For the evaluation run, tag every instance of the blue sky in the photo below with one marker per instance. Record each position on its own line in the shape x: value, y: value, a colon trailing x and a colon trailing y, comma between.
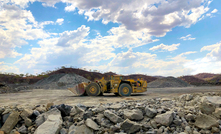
x: 153, y: 37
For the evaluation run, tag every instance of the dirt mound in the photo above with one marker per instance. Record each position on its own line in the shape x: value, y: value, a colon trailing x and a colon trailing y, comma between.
x: 193, y: 80
x: 167, y: 82
x: 60, y: 81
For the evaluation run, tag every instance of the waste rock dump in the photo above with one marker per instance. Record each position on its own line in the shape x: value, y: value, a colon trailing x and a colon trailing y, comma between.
x: 167, y: 82
x: 60, y: 81
x: 187, y: 114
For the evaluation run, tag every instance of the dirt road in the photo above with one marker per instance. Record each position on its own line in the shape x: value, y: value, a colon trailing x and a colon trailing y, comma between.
x: 41, y: 96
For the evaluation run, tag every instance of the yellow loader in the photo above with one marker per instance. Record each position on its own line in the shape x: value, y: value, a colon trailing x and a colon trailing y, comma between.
x: 116, y: 85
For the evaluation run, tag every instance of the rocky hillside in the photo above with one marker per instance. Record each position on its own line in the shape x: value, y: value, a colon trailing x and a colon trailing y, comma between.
x: 188, y: 114
x: 205, y: 76
x: 193, y: 80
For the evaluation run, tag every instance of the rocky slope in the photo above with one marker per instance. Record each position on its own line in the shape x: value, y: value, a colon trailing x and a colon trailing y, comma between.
x: 186, y: 114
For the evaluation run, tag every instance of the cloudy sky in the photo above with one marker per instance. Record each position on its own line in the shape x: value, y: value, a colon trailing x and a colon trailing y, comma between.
x: 153, y: 37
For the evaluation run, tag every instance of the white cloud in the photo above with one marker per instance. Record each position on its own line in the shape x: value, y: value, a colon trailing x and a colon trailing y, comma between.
x: 157, y: 16
x: 17, y: 26
x: 60, y: 21
x: 214, y: 11
x: 188, y: 37
x: 9, y: 68
x: 215, y: 51
x: 165, y: 47
x: 211, y: 63
x: 145, y: 63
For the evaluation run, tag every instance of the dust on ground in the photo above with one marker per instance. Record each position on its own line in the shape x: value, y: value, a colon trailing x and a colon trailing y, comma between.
x: 42, y: 96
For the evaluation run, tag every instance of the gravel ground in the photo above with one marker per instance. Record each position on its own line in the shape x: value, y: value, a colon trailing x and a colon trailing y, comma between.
x: 41, y: 96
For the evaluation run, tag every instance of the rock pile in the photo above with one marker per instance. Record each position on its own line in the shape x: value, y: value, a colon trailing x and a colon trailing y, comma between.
x: 167, y: 82
x: 187, y: 114
x: 60, y: 81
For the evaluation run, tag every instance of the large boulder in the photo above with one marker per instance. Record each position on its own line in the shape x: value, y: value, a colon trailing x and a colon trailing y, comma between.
x: 134, y: 114
x: 11, y: 121
x: 113, y: 117
x: 208, y: 105
x: 130, y: 126
x: 204, y: 121
x: 43, y: 117
x: 164, y: 119
x: 150, y: 112
x: 52, y: 125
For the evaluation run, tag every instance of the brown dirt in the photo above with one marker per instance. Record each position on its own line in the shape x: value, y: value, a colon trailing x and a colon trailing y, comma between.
x: 41, y: 96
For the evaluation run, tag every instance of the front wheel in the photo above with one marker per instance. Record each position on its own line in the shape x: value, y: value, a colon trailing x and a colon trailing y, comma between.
x: 93, y: 89
x: 125, y: 89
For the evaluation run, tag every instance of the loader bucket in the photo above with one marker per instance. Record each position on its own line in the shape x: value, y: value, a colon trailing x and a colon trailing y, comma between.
x: 78, y: 89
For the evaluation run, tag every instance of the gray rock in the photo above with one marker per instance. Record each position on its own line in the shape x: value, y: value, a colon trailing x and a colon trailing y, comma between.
x: 11, y: 121
x: 217, y: 113
x: 71, y: 129
x: 185, y: 97
x: 63, y: 131
x: 164, y: 119
x: 28, y: 122
x: 150, y: 112
x: 83, y: 129
x: 2, y: 110
x: 26, y: 113
x: 204, y: 121
x: 36, y: 113
x: 98, y: 109
x: 134, y: 114
x: 51, y: 126
x: 5, y: 117
x: 43, y: 117
x: 76, y: 110
x: 190, y: 117
x: 215, y: 100
x: 91, y: 124
x: 130, y: 126
x: 215, y: 130
x: 116, y: 106
x: 113, y: 117
x: 23, y: 129
x: 188, y: 130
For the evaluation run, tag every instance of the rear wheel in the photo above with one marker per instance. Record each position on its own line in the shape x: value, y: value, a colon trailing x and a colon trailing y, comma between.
x: 125, y: 89
x: 93, y: 89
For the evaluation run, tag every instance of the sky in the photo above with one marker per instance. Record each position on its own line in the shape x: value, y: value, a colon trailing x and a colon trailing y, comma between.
x: 152, y: 37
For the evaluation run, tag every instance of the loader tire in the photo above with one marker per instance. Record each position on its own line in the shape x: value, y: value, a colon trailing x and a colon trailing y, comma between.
x: 93, y: 89
x: 125, y: 90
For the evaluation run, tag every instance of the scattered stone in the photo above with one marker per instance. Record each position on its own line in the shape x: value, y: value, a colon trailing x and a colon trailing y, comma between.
x: 164, y: 119
x: 43, y: 117
x: 130, y: 126
x: 76, y: 110
x: 28, y: 122
x: 113, y: 117
x: 63, y: 131
x: 204, y: 121
x: 36, y: 113
x: 51, y: 126
x: 217, y: 113
x: 26, y: 113
x: 150, y: 112
x: 215, y: 130
x: 134, y: 114
x: 11, y: 121
x: 48, y: 106
x: 83, y: 129
x: 91, y: 124
x: 23, y: 129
